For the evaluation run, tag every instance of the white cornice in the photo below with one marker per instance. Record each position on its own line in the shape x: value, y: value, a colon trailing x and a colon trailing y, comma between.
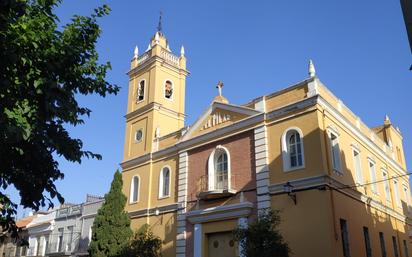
x: 154, y: 211
x: 220, y: 213
x: 152, y: 60
x: 149, y: 107
x: 364, y: 138
x: 325, y: 180
x: 136, y: 161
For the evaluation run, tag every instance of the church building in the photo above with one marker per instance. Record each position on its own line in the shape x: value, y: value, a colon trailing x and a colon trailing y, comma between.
x: 342, y: 187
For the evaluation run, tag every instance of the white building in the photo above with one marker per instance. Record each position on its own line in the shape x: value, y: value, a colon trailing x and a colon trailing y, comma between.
x: 39, y: 231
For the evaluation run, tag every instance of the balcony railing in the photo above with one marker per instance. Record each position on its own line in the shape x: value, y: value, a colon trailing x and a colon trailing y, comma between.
x: 170, y: 58
x: 222, y: 186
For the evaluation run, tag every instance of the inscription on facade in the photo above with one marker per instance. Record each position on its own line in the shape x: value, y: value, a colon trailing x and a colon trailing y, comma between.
x: 216, y: 119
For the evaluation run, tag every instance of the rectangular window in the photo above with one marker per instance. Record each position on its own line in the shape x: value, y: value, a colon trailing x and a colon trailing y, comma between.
x: 395, y: 247
x: 46, y: 245
x: 386, y: 185
x: 406, y: 196
x: 336, y: 162
x: 372, y: 172
x: 345, y: 237
x: 382, y: 241
x: 396, y: 193
x: 60, y: 240
x: 405, y: 247
x: 358, y: 167
x: 367, y: 242
x: 37, y: 246
x: 69, y: 238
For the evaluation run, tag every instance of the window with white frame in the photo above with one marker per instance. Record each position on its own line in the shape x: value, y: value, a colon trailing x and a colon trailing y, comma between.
x: 60, y: 232
x: 335, y: 149
x: 357, y: 165
x: 134, y: 189
x: 219, y: 169
x: 396, y: 193
x: 386, y: 185
x: 406, y: 196
x: 46, y: 245
x: 69, y: 238
x: 372, y: 172
x: 292, y: 149
x: 164, y: 182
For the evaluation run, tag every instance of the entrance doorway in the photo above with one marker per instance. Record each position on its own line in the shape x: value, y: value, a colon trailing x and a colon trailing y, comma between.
x: 221, y: 244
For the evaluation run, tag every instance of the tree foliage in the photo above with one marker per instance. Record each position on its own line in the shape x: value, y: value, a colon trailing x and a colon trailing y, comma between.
x: 43, y: 66
x: 262, y: 238
x: 143, y: 244
x: 111, y: 230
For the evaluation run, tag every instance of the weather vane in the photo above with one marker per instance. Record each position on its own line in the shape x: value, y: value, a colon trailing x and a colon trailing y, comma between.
x: 159, y: 26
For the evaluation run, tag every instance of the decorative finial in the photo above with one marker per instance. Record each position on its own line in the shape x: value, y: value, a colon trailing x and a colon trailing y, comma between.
x: 136, y: 52
x: 148, y: 47
x: 168, y: 48
x: 387, y: 121
x: 159, y: 26
x: 182, y: 51
x: 157, y: 37
x: 219, y: 87
x: 312, y: 71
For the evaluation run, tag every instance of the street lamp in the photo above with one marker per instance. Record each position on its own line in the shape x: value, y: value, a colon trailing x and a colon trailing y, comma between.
x: 288, y: 188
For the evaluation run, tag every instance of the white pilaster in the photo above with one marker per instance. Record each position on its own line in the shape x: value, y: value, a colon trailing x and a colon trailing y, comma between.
x: 262, y: 168
x: 182, y: 199
x: 197, y: 240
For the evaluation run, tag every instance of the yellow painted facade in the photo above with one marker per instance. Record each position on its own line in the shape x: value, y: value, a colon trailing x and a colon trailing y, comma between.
x: 350, y: 182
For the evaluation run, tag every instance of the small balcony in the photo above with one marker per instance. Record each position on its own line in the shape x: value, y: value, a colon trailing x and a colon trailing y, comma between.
x: 220, y: 186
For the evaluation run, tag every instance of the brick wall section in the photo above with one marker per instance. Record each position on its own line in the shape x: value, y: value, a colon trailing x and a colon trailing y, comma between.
x: 241, y: 148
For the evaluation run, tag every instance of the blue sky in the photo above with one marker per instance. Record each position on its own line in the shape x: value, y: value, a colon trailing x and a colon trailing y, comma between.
x: 359, y: 48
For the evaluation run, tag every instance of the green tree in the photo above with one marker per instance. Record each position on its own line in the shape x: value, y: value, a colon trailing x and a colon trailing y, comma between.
x: 111, y: 230
x: 262, y: 238
x: 144, y: 244
x: 44, y: 66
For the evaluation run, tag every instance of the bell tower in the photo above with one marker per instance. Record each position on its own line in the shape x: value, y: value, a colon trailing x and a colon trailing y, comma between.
x: 156, y: 97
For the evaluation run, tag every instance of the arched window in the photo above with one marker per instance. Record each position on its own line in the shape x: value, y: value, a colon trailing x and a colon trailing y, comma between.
x: 168, y: 89
x: 164, y: 182
x: 292, y: 149
x: 219, y: 169
x: 141, y: 90
x: 134, y: 189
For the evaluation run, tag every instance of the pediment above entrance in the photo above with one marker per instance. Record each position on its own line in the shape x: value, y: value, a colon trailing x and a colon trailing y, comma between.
x: 217, y: 116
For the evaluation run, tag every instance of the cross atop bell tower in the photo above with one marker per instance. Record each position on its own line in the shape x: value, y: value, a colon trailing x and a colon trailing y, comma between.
x: 159, y: 25
x: 156, y: 101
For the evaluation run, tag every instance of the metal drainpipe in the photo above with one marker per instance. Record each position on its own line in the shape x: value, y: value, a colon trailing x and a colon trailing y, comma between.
x: 325, y: 135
